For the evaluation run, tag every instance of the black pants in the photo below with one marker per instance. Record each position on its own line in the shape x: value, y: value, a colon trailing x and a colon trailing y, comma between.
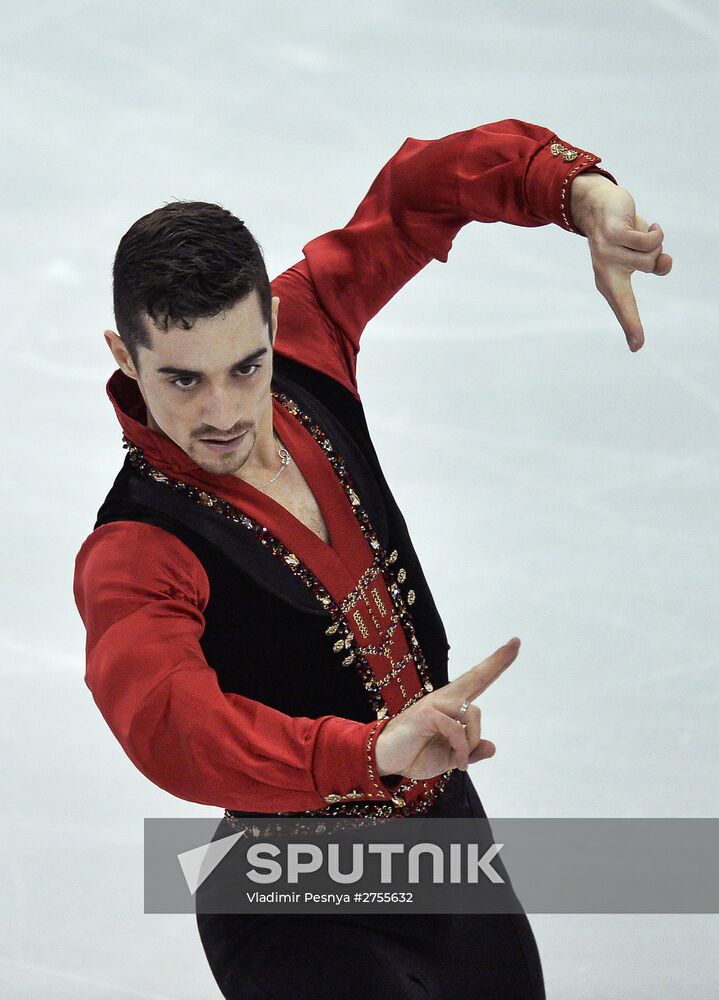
x: 377, y: 956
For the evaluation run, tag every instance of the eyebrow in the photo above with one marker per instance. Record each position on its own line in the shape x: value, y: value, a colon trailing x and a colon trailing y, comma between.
x: 170, y: 370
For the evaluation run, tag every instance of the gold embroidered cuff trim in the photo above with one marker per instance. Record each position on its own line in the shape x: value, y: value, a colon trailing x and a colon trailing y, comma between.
x: 335, y: 797
x: 369, y: 753
x: 563, y: 205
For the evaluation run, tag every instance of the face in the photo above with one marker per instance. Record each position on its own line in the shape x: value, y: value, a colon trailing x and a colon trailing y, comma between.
x: 208, y: 388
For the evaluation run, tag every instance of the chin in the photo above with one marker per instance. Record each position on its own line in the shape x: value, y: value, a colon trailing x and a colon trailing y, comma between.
x: 218, y: 468
x: 221, y: 464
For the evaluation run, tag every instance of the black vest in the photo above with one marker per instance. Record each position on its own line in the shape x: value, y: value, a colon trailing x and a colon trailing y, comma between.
x: 265, y: 633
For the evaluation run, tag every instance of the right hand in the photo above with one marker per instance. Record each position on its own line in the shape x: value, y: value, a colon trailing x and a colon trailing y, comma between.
x: 427, y: 739
x: 620, y: 243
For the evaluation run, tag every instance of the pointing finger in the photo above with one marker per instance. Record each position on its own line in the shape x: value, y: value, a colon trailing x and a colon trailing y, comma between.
x: 475, y: 680
x: 617, y: 290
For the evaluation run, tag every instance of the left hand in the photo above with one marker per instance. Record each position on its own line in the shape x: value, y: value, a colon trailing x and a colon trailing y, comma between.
x: 620, y: 243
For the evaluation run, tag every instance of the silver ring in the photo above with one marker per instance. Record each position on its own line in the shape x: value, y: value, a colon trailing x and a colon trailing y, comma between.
x: 462, y: 713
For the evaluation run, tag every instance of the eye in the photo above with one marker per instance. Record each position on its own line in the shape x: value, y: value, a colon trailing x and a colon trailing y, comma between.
x: 246, y: 371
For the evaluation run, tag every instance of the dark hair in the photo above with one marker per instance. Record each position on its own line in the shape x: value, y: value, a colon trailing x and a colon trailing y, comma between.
x: 184, y: 261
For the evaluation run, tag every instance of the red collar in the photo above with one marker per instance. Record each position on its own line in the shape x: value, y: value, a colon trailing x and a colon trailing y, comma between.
x: 158, y: 449
x: 131, y: 412
x: 165, y: 455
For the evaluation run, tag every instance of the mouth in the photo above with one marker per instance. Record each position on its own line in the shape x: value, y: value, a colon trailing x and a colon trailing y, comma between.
x: 223, y: 444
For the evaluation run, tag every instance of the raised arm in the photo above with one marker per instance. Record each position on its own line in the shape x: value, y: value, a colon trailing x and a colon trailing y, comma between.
x: 141, y: 594
x: 507, y: 171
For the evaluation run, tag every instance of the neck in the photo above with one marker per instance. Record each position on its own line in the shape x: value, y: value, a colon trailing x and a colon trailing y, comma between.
x: 263, y: 461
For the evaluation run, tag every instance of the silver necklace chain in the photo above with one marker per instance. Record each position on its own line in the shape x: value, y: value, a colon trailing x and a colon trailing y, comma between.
x: 285, y: 459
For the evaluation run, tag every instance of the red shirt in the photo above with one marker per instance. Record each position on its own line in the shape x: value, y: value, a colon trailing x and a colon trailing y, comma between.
x: 141, y: 592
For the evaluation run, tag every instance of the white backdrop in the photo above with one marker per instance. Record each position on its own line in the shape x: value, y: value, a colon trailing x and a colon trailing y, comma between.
x: 557, y: 487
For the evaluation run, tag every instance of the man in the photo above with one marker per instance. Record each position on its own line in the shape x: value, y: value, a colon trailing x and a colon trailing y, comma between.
x: 261, y: 636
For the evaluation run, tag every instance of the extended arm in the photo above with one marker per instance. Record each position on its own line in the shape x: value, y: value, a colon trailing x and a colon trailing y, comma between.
x: 141, y: 594
x: 507, y: 171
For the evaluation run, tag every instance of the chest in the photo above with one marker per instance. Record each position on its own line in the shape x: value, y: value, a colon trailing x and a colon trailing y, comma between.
x: 293, y: 492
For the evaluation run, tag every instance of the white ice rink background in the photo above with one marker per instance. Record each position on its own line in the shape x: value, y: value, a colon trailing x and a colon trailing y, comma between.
x: 557, y: 487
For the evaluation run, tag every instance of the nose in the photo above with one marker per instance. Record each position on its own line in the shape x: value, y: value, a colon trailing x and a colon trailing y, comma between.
x: 220, y: 412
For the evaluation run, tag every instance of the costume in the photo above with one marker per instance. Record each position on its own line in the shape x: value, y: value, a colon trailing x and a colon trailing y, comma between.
x: 243, y: 662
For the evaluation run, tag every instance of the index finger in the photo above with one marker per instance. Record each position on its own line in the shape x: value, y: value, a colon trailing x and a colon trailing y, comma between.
x: 475, y: 680
x: 617, y: 290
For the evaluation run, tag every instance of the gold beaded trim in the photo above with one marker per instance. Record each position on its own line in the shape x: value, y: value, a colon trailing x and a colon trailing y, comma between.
x: 415, y: 698
x: 276, y: 830
x: 379, y: 602
x: 556, y: 149
x: 360, y: 623
x: 369, y: 750
x: 379, y: 563
x: 358, y: 592
x: 384, y: 648
x: 395, y: 669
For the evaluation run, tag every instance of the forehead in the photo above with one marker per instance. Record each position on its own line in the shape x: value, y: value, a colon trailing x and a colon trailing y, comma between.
x: 213, y: 342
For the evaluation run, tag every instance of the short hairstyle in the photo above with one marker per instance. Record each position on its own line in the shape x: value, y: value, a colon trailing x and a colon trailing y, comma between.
x: 185, y: 261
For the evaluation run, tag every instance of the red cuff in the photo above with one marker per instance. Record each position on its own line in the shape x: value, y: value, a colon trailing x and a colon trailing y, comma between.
x: 345, y: 763
x: 549, y: 178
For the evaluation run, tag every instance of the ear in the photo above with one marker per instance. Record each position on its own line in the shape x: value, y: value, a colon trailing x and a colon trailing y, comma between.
x: 120, y: 353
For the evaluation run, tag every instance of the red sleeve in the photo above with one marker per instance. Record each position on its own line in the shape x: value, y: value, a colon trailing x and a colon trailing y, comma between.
x: 508, y: 171
x: 141, y: 593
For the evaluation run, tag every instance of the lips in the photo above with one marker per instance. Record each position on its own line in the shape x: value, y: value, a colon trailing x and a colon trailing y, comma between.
x: 223, y: 444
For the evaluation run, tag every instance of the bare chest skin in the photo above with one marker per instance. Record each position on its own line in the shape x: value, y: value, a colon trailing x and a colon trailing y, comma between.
x: 293, y: 493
